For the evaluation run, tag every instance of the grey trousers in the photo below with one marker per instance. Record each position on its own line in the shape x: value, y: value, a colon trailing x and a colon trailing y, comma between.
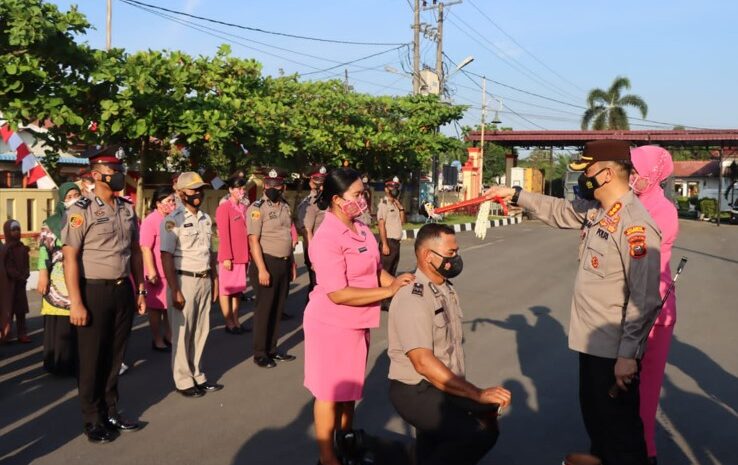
x: 190, y: 328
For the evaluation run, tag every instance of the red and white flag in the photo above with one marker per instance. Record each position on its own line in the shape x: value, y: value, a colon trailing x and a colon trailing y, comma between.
x: 30, y: 166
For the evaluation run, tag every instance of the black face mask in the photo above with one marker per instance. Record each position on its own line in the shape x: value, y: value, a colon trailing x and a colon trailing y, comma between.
x: 273, y: 194
x: 588, y: 185
x: 195, y: 199
x: 450, y: 267
x: 116, y: 181
x: 394, y: 192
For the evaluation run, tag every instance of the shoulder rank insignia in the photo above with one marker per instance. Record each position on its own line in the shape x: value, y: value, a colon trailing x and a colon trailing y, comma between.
x: 635, y: 230
x: 83, y: 202
x: 418, y: 289
x: 433, y: 288
x: 123, y: 200
x: 259, y: 203
x: 614, y: 209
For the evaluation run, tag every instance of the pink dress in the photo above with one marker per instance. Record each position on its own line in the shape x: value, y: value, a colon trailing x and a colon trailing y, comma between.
x: 156, y: 297
x: 654, y: 164
x: 337, y: 336
x: 233, y: 244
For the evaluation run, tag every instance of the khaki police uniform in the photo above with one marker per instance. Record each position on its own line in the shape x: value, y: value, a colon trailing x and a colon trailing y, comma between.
x: 388, y: 212
x: 616, y: 299
x: 103, y: 234
x: 301, y: 224
x: 271, y: 223
x: 313, y: 219
x: 187, y: 237
x: 428, y: 316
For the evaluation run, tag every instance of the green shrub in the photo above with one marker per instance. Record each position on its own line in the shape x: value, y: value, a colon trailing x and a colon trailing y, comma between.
x: 708, y: 207
x: 683, y: 203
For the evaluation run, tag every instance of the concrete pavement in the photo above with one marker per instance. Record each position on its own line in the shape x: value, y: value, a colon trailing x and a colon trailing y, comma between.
x: 515, y: 291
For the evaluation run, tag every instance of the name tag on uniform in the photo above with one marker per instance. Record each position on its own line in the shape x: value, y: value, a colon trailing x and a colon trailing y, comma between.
x: 440, y: 310
x: 603, y: 234
x: 102, y: 220
x: 187, y: 225
x: 362, y: 249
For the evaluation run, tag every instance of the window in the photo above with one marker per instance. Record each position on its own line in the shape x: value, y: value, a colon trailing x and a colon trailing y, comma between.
x: 49, y: 207
x: 10, y: 209
x: 30, y: 214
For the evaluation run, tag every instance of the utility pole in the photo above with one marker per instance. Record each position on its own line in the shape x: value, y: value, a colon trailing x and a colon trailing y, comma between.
x: 416, y: 49
x: 109, y: 26
x: 345, y: 80
x: 484, y: 114
x: 439, y: 50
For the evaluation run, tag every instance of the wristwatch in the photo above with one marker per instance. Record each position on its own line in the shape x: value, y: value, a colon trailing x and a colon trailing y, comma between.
x: 142, y: 292
x: 516, y: 195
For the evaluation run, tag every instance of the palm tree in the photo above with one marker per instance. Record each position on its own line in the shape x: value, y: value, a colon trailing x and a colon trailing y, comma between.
x: 607, y: 108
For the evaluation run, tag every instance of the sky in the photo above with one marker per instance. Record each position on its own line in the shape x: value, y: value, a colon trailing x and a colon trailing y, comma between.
x: 679, y: 55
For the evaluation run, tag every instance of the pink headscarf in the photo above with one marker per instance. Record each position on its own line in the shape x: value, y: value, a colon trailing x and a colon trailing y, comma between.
x: 653, y: 165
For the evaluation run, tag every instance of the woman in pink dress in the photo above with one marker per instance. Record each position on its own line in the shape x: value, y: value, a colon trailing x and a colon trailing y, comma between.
x: 343, y: 307
x: 652, y: 166
x: 233, y: 253
x: 162, y: 204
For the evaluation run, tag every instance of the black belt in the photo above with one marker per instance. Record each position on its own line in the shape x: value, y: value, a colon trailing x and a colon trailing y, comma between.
x: 202, y: 274
x: 107, y: 282
x: 278, y: 258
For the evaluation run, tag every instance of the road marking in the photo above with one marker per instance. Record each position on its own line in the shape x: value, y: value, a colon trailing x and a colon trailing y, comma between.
x: 486, y: 244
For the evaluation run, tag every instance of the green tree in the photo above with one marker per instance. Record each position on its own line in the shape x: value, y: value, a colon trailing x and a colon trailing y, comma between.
x: 44, y: 71
x: 606, y: 109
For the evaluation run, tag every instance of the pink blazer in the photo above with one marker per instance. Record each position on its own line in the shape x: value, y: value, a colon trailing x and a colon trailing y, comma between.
x: 233, y: 237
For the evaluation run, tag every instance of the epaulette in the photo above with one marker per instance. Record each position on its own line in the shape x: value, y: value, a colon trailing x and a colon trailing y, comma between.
x: 417, y: 289
x: 83, y: 202
x: 258, y: 203
x: 121, y: 200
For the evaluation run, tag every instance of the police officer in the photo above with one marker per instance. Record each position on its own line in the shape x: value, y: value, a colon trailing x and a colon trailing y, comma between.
x: 366, y: 217
x: 390, y: 218
x: 317, y: 178
x: 455, y: 421
x: 191, y: 271
x: 101, y: 251
x: 272, y: 267
x: 616, y: 296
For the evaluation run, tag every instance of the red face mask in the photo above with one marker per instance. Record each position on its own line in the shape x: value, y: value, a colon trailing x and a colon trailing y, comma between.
x: 354, y: 208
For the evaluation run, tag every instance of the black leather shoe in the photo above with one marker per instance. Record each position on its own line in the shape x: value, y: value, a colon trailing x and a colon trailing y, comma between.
x: 121, y: 424
x: 97, y: 433
x: 235, y: 330
x: 191, y: 392
x: 280, y: 357
x: 209, y: 387
x: 265, y: 362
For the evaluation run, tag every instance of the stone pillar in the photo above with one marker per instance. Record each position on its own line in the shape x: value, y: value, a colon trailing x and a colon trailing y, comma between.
x: 511, y: 161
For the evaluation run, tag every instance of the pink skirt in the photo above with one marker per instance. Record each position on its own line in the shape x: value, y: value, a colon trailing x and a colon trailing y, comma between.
x: 156, y: 294
x: 335, y: 361
x: 232, y: 282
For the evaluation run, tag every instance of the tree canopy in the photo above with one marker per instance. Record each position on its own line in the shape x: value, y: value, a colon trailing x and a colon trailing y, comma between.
x: 606, y: 108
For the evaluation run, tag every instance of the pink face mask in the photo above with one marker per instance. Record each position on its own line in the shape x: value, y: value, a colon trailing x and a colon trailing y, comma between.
x: 354, y: 208
x: 165, y: 208
x: 639, y: 183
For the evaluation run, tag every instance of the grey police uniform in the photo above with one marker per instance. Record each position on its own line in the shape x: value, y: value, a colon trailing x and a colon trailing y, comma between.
x: 271, y: 223
x: 425, y: 315
x: 616, y: 298
x: 187, y: 237
x: 104, y: 235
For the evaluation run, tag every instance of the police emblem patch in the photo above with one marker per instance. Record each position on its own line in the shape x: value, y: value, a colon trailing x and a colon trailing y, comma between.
x: 255, y: 214
x: 76, y: 221
x: 637, y: 245
x: 100, y: 213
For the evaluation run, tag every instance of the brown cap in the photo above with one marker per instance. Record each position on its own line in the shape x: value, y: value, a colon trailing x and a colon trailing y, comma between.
x: 189, y: 180
x: 273, y: 178
x: 601, y: 150
x: 110, y: 155
x: 395, y: 181
x: 318, y: 173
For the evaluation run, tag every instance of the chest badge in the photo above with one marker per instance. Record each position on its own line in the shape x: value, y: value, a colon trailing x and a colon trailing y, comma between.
x: 595, y: 262
x: 362, y: 249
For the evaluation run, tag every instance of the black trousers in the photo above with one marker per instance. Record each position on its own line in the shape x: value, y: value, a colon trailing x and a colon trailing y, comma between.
x: 270, y: 302
x: 60, y: 346
x: 614, y: 425
x: 101, y: 345
x: 448, y: 429
x: 311, y: 273
x: 390, y: 262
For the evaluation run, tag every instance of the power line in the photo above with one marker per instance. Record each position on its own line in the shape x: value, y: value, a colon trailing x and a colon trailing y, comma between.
x: 523, y: 48
x: 354, y: 61
x: 508, y: 60
x: 256, y: 29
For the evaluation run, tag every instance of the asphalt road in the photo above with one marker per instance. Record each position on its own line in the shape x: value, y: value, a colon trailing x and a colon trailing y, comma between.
x: 515, y: 291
